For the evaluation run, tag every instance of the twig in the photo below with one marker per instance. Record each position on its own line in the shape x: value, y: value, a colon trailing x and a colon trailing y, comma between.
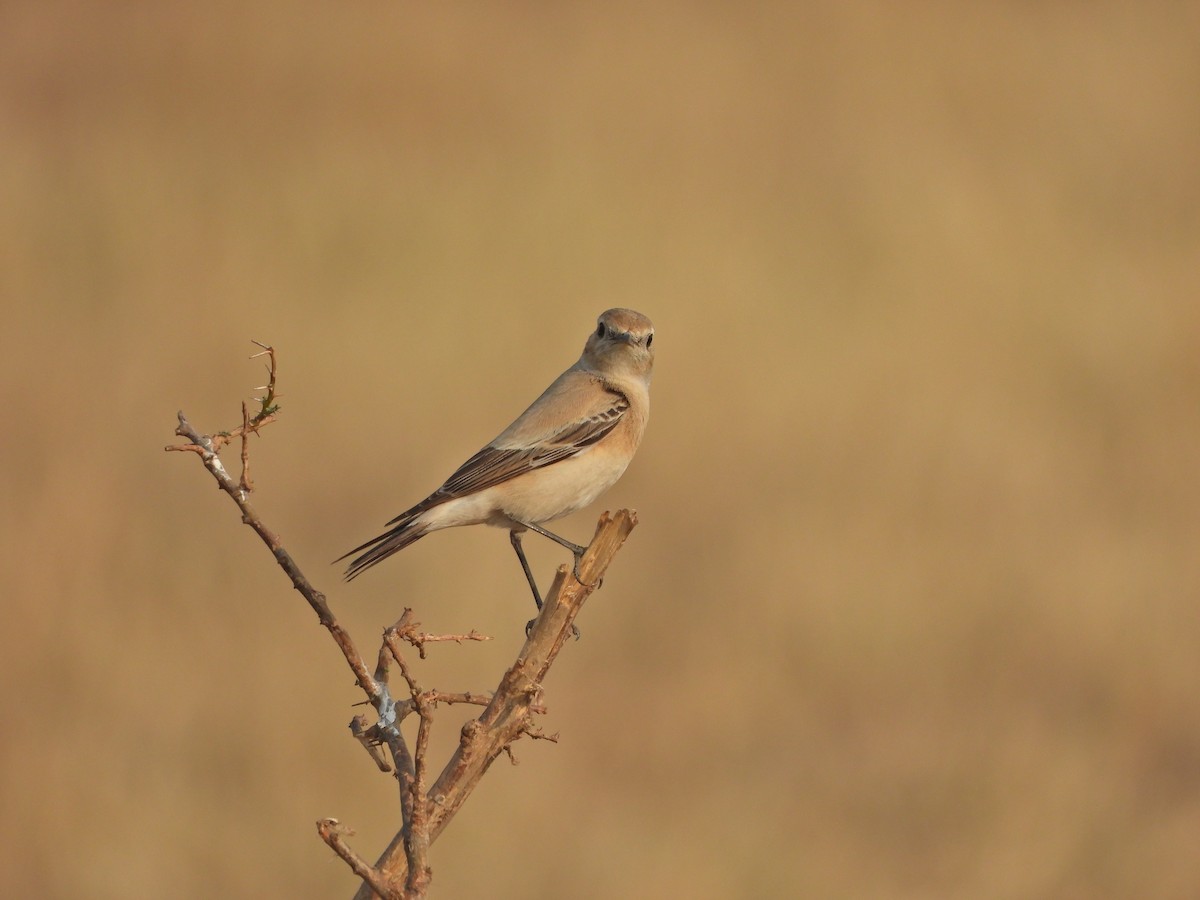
x: 244, y: 482
x: 420, y: 639
x: 331, y: 831
x: 537, y: 734
x: 365, y: 735
x: 267, y: 404
x: 436, y: 697
x: 416, y: 820
x: 268, y: 408
x: 203, y: 445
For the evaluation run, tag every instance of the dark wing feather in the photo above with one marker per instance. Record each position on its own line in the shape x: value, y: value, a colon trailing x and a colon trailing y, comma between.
x: 493, y: 465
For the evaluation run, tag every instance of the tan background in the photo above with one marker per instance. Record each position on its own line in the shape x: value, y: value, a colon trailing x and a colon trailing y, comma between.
x: 913, y: 608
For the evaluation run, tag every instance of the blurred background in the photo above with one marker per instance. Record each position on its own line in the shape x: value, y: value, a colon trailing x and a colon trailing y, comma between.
x: 912, y: 610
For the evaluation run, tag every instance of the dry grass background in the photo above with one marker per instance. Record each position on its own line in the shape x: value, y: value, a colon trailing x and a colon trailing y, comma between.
x: 913, y: 608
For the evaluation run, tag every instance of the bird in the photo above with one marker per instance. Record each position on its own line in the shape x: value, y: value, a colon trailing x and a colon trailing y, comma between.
x: 558, y: 456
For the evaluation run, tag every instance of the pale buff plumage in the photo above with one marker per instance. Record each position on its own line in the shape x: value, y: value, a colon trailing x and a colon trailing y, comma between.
x: 566, y: 449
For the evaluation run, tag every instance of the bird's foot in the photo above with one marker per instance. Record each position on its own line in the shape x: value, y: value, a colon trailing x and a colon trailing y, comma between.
x: 578, y: 553
x: 529, y: 628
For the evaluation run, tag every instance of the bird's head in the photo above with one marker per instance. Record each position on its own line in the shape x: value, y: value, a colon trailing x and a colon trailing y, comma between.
x: 621, y: 344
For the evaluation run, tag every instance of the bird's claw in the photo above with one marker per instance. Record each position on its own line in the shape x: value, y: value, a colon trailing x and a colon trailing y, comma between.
x: 575, y: 570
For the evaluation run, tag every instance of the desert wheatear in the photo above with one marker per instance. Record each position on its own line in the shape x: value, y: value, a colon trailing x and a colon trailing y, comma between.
x: 570, y: 446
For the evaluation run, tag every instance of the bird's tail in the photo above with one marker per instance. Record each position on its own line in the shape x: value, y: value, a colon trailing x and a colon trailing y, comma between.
x: 409, y: 531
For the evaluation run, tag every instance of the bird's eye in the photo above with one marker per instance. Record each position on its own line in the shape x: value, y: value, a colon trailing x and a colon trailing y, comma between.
x: 600, y: 330
x: 649, y: 340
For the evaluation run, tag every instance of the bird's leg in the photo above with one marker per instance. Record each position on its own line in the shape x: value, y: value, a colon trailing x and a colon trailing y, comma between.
x: 575, y: 549
x: 515, y: 537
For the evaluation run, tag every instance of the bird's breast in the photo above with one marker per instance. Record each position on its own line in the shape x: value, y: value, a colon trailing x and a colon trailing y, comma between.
x: 564, y: 487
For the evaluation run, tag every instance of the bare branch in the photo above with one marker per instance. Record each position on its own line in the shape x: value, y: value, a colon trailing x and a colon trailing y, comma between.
x: 204, y: 446
x: 517, y: 696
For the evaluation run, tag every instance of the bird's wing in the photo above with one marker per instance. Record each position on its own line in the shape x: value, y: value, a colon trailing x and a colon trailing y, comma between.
x: 574, y: 413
